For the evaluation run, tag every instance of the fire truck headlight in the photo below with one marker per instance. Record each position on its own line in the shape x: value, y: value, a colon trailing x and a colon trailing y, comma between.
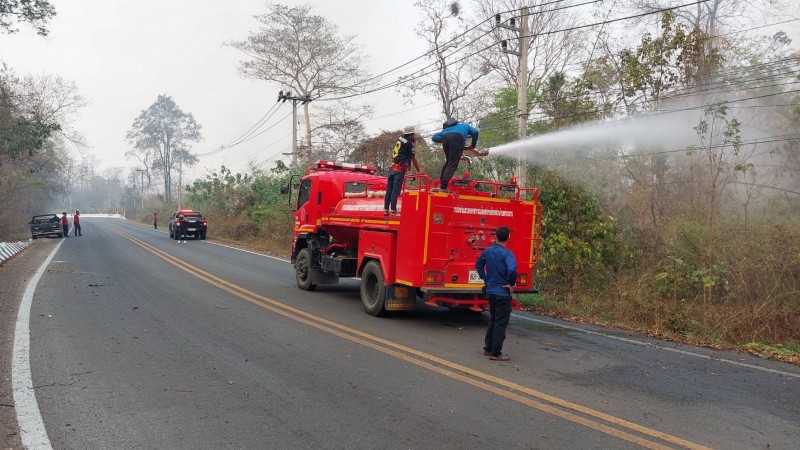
x: 401, y: 292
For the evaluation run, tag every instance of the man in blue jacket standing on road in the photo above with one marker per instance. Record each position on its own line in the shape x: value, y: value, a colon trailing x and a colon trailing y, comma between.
x: 452, y: 137
x: 497, y: 267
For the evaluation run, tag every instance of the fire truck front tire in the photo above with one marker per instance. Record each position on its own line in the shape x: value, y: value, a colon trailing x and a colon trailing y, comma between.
x: 373, y: 289
x: 302, y: 271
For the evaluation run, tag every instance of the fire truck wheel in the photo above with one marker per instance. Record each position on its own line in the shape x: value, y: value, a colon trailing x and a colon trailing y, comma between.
x: 302, y: 271
x: 373, y: 289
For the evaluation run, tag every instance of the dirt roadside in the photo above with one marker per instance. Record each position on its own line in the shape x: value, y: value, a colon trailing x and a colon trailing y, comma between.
x: 14, y: 277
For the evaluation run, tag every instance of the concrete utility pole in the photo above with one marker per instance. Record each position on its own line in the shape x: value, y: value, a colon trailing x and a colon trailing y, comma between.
x: 282, y: 97
x: 141, y: 173
x: 180, y: 183
x: 522, y: 82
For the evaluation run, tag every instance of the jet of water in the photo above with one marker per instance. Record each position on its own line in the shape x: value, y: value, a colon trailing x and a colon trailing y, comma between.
x: 674, y: 130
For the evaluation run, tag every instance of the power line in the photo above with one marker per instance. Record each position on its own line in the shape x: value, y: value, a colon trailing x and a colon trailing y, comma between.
x: 268, y: 146
x: 255, y: 126
x: 435, y: 63
x: 445, y: 44
x: 270, y: 112
x: 619, y: 19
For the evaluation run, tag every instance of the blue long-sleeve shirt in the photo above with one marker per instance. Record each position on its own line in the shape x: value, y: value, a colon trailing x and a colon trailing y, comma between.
x: 461, y: 128
x: 497, y: 267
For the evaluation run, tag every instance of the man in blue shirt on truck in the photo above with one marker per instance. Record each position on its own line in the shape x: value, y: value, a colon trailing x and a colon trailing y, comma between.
x: 497, y: 267
x: 452, y: 137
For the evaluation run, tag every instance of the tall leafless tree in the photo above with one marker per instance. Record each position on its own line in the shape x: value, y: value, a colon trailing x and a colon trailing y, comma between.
x: 302, y: 51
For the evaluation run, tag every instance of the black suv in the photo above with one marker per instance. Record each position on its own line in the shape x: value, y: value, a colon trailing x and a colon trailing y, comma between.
x: 196, y: 225
x: 45, y: 225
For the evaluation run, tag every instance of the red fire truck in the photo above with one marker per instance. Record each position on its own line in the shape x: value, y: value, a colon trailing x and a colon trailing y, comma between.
x: 428, y: 250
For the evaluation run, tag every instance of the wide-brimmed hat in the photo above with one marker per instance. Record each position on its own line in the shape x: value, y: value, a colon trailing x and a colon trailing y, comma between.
x: 409, y: 130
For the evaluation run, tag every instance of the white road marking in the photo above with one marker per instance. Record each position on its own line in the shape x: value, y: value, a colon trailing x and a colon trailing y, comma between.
x: 659, y: 347
x: 232, y: 247
x: 31, y: 426
x: 247, y: 251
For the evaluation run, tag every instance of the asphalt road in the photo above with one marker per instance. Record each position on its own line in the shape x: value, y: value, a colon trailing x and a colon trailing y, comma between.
x: 139, y: 342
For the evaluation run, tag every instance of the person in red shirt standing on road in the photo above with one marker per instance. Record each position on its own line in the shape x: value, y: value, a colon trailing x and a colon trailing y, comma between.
x: 65, y: 224
x: 155, y: 221
x: 76, y: 223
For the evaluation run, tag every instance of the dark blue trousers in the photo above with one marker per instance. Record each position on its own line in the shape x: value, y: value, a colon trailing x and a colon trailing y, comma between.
x: 394, y: 183
x: 500, y: 311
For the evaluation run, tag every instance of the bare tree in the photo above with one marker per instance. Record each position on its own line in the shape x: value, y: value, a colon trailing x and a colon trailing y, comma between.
x: 53, y: 99
x: 341, y: 129
x: 35, y: 12
x: 145, y: 164
x: 454, y: 70
x: 547, y: 53
x: 720, y: 149
x: 162, y: 134
x: 304, y: 52
x: 712, y: 17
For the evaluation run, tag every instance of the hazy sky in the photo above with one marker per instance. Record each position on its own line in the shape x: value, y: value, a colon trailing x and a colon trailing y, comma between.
x: 123, y: 55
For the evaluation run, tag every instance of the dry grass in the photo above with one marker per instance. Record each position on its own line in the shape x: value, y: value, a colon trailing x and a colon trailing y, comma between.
x: 749, y: 300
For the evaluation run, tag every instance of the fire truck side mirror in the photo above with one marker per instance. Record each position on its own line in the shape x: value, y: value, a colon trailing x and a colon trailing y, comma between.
x: 285, y: 188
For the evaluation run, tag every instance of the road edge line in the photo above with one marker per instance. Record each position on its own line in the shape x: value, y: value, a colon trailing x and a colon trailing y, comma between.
x: 31, y: 426
x: 660, y: 347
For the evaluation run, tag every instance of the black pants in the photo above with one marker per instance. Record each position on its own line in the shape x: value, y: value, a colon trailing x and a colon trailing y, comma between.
x: 393, y: 185
x: 453, y: 146
x: 500, y: 310
x: 182, y: 230
x: 65, y: 228
x: 77, y: 228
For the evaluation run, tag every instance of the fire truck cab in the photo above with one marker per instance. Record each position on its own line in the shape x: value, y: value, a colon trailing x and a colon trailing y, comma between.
x: 428, y: 250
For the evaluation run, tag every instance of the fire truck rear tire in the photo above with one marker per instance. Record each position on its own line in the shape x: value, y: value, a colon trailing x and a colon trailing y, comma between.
x: 373, y: 289
x: 302, y: 271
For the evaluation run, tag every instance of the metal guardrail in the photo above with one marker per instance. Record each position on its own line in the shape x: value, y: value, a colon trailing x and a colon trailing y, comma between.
x: 9, y: 249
